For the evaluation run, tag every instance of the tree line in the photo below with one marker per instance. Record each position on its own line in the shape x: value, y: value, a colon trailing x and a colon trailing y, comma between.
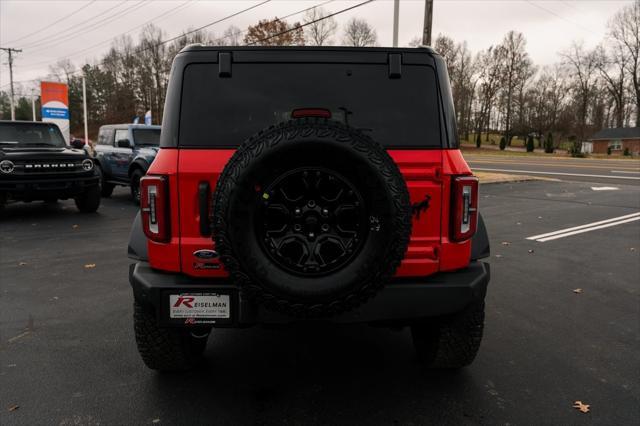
x: 498, y: 90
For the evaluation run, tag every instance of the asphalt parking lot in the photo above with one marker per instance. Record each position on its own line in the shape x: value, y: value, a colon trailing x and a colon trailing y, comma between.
x: 67, y: 353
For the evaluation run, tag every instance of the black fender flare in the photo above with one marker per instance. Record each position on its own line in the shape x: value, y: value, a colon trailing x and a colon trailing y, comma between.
x: 138, y: 163
x: 96, y: 162
x: 480, y: 246
x: 137, y: 248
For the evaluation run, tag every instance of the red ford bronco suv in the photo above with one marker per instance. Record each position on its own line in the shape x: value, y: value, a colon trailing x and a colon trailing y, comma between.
x: 308, y: 184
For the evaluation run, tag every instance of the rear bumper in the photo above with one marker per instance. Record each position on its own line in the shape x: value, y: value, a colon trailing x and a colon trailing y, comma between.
x: 42, y: 188
x: 399, y: 302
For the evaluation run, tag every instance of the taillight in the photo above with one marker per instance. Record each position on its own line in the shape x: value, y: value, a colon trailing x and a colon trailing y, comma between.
x: 465, y: 207
x: 154, y: 205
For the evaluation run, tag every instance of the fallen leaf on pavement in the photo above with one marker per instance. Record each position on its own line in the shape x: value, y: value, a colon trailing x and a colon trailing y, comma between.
x: 582, y: 407
x: 22, y: 263
x: 14, y: 407
x: 577, y: 290
x: 90, y: 265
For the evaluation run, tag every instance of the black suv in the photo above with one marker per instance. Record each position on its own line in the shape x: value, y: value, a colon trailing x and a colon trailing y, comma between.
x: 36, y: 164
x: 124, y: 153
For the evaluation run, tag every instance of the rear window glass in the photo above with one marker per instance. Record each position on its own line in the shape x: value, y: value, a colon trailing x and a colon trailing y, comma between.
x: 224, y: 112
x: 146, y: 136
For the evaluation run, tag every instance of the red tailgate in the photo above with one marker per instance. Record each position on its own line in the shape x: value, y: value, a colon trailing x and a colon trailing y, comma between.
x: 420, y: 168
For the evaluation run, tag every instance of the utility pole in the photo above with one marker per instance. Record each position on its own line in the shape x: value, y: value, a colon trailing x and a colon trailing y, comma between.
x: 10, y: 51
x: 33, y: 105
x: 396, y: 19
x: 84, y: 107
x: 428, y: 14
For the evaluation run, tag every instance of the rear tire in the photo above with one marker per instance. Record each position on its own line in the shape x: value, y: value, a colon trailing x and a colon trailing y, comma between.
x: 106, y: 189
x: 136, y: 175
x: 451, y: 342
x: 89, y: 201
x: 165, y: 349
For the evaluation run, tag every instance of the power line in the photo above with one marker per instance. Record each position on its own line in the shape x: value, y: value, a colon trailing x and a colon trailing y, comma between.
x: 236, y: 14
x: 140, y: 50
x: 310, y: 23
x: 191, y: 2
x: 72, y: 29
x: 54, y: 22
x: 284, y: 17
x: 212, y: 23
x: 181, y: 6
x: 87, y: 28
x: 559, y: 16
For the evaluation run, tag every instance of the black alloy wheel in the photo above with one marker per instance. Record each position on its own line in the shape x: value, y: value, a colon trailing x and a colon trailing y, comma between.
x: 312, y: 221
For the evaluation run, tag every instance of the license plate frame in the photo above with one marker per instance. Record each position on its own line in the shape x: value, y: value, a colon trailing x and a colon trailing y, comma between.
x: 198, y: 308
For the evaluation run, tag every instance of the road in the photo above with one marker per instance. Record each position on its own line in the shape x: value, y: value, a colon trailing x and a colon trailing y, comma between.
x: 574, y: 169
x: 67, y: 353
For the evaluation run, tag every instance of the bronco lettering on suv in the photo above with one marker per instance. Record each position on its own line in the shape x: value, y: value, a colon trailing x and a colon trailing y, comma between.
x: 297, y: 184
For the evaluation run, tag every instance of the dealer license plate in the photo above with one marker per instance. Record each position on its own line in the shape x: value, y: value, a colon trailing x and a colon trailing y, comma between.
x: 199, y: 305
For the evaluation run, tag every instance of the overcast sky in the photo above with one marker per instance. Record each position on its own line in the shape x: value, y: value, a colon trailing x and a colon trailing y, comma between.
x: 46, y: 32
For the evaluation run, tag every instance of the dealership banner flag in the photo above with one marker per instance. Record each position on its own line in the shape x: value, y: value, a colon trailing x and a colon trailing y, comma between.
x: 55, y: 105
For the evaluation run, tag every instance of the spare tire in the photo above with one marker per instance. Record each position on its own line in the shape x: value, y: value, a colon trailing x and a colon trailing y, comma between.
x: 311, y: 217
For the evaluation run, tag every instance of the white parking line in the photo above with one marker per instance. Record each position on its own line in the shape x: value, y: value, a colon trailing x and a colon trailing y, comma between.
x: 532, y: 172
x: 624, y: 171
x: 549, y: 236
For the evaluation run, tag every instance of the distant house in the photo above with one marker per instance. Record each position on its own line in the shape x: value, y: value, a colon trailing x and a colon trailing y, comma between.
x: 618, y: 139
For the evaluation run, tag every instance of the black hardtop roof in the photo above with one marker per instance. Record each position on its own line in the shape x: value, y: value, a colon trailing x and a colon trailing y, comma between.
x: 199, y: 47
x: 306, y: 54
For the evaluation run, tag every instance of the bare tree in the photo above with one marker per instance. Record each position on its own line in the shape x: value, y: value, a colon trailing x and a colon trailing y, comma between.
x: 415, y: 42
x: 359, y: 33
x: 320, y: 28
x: 515, y: 58
x: 462, y: 75
x: 232, y: 36
x: 583, y: 66
x: 155, y: 62
x: 490, y: 66
x: 611, y: 64
x: 62, y: 70
x: 625, y: 32
x: 275, y: 32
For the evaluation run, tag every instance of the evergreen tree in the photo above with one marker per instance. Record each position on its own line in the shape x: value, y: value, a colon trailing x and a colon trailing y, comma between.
x: 503, y: 143
x: 530, y: 145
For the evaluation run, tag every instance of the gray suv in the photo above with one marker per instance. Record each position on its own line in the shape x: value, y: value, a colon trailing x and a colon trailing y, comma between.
x: 123, y: 154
